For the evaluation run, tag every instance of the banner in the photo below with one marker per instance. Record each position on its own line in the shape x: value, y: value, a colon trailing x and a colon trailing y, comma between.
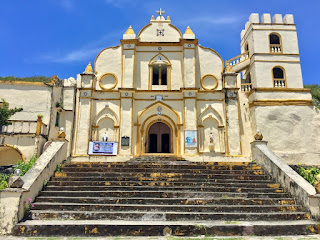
x: 103, y: 148
x: 190, y: 138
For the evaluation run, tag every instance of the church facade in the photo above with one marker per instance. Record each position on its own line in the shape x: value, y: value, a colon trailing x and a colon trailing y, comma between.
x: 161, y: 92
x: 159, y: 87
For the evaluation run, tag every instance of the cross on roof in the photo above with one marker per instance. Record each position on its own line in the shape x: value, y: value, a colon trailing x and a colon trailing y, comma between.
x: 160, y: 12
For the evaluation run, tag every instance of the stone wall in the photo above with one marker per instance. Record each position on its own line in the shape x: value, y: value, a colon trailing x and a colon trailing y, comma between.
x: 12, y: 206
x: 297, y: 186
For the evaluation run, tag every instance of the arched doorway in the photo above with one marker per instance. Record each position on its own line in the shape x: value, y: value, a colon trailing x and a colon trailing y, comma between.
x: 159, y: 138
x: 10, y: 155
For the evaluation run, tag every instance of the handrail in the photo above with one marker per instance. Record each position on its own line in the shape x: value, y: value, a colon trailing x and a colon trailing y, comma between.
x: 238, y: 59
x: 25, y: 127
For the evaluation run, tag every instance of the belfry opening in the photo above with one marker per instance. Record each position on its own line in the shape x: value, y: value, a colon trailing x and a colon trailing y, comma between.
x: 159, y: 138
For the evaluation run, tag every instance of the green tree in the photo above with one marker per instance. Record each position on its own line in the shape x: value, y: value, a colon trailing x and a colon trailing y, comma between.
x: 6, y: 113
x: 315, y: 92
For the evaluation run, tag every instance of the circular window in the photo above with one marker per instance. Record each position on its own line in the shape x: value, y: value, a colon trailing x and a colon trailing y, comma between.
x: 209, y: 82
x: 108, y: 81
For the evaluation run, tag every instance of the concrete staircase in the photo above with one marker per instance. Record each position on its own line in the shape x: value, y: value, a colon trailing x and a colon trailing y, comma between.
x: 163, y: 196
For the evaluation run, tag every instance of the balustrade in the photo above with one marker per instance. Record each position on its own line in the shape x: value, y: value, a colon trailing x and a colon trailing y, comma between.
x: 275, y: 48
x: 24, y: 126
x: 279, y: 83
x: 238, y: 59
x: 246, y: 87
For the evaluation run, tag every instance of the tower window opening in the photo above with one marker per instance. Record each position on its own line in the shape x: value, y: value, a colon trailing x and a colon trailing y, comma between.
x: 246, y: 47
x: 275, y: 43
x: 278, y: 77
x: 246, y: 84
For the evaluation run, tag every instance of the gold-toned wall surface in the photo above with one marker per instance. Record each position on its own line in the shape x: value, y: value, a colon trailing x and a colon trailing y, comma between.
x: 9, y: 156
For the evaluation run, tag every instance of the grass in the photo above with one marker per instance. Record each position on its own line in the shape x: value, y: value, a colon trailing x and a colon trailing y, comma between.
x: 26, y: 79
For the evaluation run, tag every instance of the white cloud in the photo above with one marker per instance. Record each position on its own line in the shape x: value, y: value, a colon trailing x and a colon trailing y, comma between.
x: 211, y: 20
x: 73, y: 56
x: 87, y: 52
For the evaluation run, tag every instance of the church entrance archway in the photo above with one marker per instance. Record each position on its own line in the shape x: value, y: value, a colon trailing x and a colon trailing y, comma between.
x: 159, y: 138
x: 168, y: 136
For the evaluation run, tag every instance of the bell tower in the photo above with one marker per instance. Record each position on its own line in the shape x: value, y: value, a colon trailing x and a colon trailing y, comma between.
x: 272, y: 45
x: 271, y: 82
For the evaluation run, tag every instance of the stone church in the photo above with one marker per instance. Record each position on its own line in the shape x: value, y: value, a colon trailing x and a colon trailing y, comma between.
x: 161, y: 92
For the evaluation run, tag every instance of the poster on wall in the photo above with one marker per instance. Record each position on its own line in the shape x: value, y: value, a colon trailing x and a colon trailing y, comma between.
x: 190, y: 138
x: 103, y: 148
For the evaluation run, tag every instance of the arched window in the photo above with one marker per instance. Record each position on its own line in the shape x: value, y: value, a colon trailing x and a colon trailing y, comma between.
x: 278, y: 75
x: 275, y: 43
x: 159, y: 73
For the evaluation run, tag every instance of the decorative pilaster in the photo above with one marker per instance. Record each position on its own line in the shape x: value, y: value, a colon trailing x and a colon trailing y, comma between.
x: 128, y: 59
x: 126, y: 125
x: 85, y: 83
x: 232, y: 114
x: 190, y: 117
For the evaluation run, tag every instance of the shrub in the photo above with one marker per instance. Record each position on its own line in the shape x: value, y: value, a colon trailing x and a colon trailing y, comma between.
x: 309, y: 173
x: 315, y: 92
x: 23, y: 166
x: 4, y: 180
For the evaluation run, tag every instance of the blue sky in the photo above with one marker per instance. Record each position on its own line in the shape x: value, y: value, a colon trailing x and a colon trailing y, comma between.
x: 60, y: 37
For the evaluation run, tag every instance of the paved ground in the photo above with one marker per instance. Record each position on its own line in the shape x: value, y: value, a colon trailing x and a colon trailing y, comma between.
x: 304, y: 237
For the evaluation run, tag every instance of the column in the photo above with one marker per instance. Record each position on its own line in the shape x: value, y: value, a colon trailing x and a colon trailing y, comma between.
x: 128, y: 60
x: 126, y: 125
x: 190, y: 118
x: 83, y: 114
x: 232, y: 114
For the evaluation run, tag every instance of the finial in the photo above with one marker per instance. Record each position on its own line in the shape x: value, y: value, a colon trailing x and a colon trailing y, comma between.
x: 168, y: 18
x: 152, y: 17
x: 129, y: 30
x: 54, y: 79
x: 61, y: 134
x: 258, y: 136
x: 188, y: 31
x: 160, y: 12
x: 89, y: 69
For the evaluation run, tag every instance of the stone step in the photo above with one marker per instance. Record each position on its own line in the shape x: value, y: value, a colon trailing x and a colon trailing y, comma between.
x: 168, y: 201
x: 169, y: 216
x: 165, y: 167
x: 190, y: 189
x: 162, y: 183
x: 162, y: 163
x: 156, y: 175
x: 164, y: 171
x: 160, y: 179
x: 166, y: 208
x: 164, y: 194
x: 92, y: 228
x: 152, y: 197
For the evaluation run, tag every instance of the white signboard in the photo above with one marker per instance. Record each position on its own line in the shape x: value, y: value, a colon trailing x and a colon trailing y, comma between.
x: 190, y: 138
x: 103, y: 148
